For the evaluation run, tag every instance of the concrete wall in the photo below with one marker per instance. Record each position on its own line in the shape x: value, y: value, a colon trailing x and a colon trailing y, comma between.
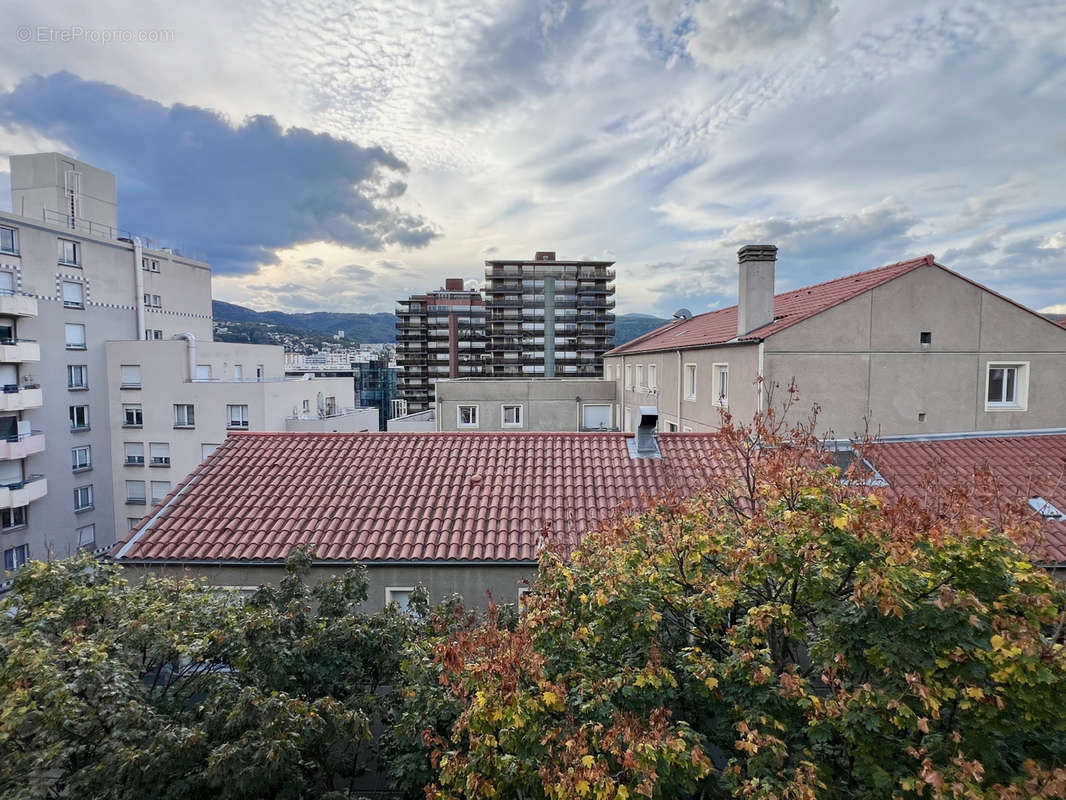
x: 474, y: 582
x: 547, y: 404
x: 697, y: 414
x: 164, y: 383
x: 38, y: 182
x: 355, y: 420
x: 864, y: 359
x: 418, y: 422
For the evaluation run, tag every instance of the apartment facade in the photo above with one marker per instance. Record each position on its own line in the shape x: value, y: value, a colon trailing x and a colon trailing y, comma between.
x: 533, y: 404
x: 910, y: 348
x: 176, y: 400
x: 549, y: 318
x: 71, y: 281
x: 439, y: 334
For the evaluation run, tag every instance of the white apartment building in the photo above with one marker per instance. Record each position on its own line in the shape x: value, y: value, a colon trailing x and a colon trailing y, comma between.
x: 79, y: 301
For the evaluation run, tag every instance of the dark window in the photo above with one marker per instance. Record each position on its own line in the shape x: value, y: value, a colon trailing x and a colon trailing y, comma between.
x: 927, y: 337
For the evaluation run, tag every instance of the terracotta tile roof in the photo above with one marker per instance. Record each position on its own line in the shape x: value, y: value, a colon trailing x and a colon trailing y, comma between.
x: 719, y: 327
x: 409, y: 496
x: 1023, y: 466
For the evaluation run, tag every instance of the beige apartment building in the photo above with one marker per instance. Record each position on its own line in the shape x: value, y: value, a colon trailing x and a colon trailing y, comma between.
x: 532, y: 404
x: 78, y: 295
x: 909, y: 348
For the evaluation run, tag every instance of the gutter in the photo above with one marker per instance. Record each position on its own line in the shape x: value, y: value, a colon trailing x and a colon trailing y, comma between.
x: 138, y: 282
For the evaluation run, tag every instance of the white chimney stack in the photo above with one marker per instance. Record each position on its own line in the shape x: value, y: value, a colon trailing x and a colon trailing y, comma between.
x: 755, y: 304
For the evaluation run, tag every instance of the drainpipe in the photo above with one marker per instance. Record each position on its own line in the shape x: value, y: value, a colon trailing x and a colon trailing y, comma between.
x: 190, y: 352
x: 138, y: 282
x: 680, y: 388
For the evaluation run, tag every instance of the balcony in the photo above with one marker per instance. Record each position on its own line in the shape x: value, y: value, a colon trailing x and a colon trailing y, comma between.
x: 24, y: 492
x: 17, y: 305
x: 21, y: 445
x: 15, y: 398
x: 13, y: 351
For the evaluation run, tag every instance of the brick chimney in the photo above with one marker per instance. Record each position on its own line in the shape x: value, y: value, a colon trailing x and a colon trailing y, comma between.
x: 755, y: 303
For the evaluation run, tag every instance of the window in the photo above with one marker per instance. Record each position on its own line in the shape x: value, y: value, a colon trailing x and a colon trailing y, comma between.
x: 629, y: 420
x: 15, y: 557
x: 73, y: 295
x: 131, y: 415
x: 9, y: 240
x: 467, y: 416
x: 207, y: 449
x: 512, y: 416
x: 653, y: 376
x: 607, y: 372
x: 203, y: 372
x: 595, y: 417
x: 721, y: 384
x: 160, y: 489
x: 184, y: 415
x: 237, y: 416
x: 150, y: 264
x: 147, y: 299
x: 686, y: 429
x: 1007, y: 387
x: 131, y: 376
x: 157, y: 301
x: 640, y: 377
x: 75, y: 336
x: 260, y: 372
x: 11, y: 518
x: 87, y: 537
x: 926, y: 338
x: 135, y: 493
x: 79, y: 418
x: 69, y: 253
x: 7, y: 281
x: 238, y: 372
x: 131, y: 522
x: 83, y: 498
x: 690, y: 382
x: 629, y: 377
x: 134, y: 452
x: 159, y: 452
x: 671, y: 427
x: 156, y: 334
x: 400, y: 595
x: 77, y: 376
x: 306, y: 406
x: 81, y: 458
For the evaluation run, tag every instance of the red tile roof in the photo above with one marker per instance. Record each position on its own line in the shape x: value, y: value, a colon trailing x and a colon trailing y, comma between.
x: 719, y: 327
x: 408, y: 496
x: 1023, y: 467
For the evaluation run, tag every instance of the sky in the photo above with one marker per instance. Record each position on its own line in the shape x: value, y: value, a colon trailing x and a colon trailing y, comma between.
x: 339, y: 155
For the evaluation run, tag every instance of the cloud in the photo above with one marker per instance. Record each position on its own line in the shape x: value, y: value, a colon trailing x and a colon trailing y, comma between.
x: 237, y: 193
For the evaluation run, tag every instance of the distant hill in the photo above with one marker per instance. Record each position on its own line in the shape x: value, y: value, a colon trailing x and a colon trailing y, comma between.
x: 271, y: 327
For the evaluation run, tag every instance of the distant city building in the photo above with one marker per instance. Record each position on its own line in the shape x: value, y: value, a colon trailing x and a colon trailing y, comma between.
x: 549, y: 318
x: 439, y: 334
x: 89, y: 366
x: 375, y: 387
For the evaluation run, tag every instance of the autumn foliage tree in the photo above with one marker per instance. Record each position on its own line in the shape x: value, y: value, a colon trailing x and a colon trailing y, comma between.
x: 792, y: 633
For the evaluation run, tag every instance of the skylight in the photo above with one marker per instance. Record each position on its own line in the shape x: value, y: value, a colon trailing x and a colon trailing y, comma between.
x: 1045, y: 509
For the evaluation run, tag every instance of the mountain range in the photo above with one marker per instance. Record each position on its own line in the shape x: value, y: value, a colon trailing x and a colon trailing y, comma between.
x: 234, y: 323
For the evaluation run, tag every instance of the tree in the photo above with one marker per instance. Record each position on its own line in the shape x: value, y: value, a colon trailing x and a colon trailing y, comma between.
x: 174, y: 689
x: 793, y: 633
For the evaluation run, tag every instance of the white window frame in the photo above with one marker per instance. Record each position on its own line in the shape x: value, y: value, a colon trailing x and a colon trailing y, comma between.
x: 671, y: 427
x: 204, y: 445
x: 610, y: 414
x: 686, y: 429
x: 76, y: 299
x: 1021, y: 386
x: 75, y: 462
x: 133, y: 460
x: 11, y: 516
x: 521, y: 416
x: 14, y: 240
x: 607, y: 372
x: 20, y: 554
x: 137, y: 414
x: 91, y: 528
x: 157, y: 301
x: 391, y: 590
x: 717, y: 370
x: 74, y: 344
x: 237, y: 424
x: 628, y: 383
x: 628, y: 421
x: 156, y: 499
x: 203, y: 372
x: 688, y: 389
x: 459, y: 416
x: 77, y: 370
x: 87, y: 424
x: 75, y: 249
x: 189, y: 415
x: 653, y: 377
x: 641, y: 385
x: 162, y: 459
x: 133, y: 499
x: 83, y: 491
x: 127, y: 373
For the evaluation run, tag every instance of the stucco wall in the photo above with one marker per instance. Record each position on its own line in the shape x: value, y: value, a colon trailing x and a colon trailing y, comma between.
x: 547, y: 404
x: 474, y: 582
